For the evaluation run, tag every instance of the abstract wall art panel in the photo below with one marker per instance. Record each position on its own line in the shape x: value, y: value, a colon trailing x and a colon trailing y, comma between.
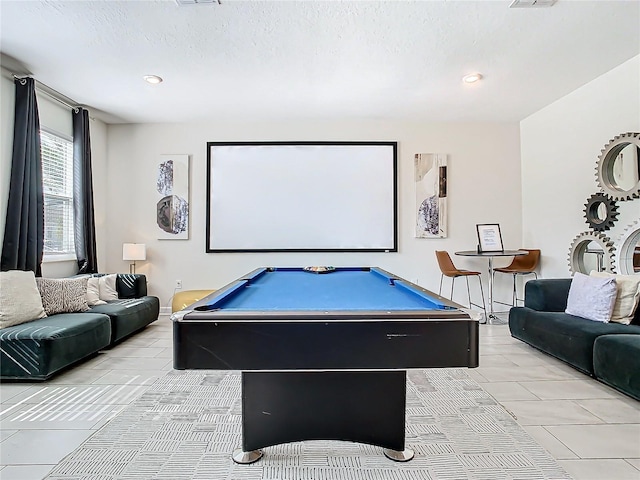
x: 431, y: 195
x: 172, y: 208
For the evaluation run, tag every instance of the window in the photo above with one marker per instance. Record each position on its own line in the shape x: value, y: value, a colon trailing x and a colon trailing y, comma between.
x: 57, y: 180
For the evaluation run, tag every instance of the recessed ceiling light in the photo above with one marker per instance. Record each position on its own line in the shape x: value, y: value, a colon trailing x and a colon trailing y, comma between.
x: 472, y: 78
x: 153, y: 79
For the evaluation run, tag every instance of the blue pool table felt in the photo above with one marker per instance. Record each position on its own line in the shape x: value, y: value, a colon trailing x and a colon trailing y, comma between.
x: 343, y: 289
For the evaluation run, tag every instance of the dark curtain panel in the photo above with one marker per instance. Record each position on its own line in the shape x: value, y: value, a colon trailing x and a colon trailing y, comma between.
x: 84, y: 227
x: 24, y: 229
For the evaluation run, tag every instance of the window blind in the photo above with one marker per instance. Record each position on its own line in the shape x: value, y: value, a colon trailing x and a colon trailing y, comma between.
x: 57, y: 180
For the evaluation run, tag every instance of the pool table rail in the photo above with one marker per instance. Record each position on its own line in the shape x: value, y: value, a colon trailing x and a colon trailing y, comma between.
x: 360, y: 344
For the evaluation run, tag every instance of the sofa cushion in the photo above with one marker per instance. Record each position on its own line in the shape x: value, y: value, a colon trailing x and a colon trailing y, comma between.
x: 63, y: 295
x: 592, y: 298
x: 131, y: 285
x: 547, y: 295
x: 38, y: 349
x: 564, y: 336
x: 20, y: 300
x: 628, y: 296
x: 616, y: 362
x: 129, y: 315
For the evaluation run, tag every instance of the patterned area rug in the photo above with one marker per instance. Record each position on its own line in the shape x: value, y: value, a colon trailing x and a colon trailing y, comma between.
x: 188, y: 423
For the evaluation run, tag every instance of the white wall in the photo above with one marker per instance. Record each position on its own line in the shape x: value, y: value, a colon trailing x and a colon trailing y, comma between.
x: 484, y: 187
x: 560, y: 148
x: 484, y: 175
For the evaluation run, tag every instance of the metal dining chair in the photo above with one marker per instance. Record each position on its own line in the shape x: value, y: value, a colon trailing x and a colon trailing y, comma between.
x: 521, y: 265
x: 448, y: 269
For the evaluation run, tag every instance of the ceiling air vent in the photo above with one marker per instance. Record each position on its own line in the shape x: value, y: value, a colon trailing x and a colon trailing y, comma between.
x: 531, y: 3
x: 196, y: 2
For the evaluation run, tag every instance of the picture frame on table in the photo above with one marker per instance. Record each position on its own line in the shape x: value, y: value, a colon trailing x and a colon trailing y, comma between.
x: 489, y: 237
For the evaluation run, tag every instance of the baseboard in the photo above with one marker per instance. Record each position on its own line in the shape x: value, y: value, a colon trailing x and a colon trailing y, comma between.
x: 165, y: 311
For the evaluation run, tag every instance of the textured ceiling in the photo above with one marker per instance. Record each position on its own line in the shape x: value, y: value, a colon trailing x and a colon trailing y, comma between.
x: 256, y: 60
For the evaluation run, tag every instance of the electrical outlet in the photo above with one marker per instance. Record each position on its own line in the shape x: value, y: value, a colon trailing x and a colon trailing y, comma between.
x: 178, y: 284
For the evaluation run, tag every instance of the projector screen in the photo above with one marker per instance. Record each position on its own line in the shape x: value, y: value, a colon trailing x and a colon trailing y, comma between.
x: 301, y: 196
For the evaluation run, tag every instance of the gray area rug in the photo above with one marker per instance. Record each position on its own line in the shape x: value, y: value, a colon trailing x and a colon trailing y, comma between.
x: 186, y: 425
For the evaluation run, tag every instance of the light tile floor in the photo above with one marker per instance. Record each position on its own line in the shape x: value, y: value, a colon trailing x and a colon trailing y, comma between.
x: 592, y: 430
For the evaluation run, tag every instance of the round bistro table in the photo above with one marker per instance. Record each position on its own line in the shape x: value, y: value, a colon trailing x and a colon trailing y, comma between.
x: 493, y: 318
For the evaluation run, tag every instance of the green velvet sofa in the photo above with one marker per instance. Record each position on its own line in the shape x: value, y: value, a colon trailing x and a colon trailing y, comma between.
x: 38, y: 349
x: 610, y: 352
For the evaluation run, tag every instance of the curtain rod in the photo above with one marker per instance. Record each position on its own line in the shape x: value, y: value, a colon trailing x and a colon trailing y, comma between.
x: 46, y: 90
x: 50, y: 92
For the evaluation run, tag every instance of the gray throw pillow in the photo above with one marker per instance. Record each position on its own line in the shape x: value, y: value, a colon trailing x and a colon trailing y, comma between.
x: 592, y: 297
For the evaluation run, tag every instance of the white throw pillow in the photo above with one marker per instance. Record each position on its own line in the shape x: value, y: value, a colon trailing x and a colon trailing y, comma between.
x: 20, y: 300
x: 628, y: 296
x: 592, y: 297
x: 93, y: 292
x: 107, y: 287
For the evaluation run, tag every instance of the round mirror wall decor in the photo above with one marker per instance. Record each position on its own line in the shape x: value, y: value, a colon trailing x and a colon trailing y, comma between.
x: 591, y: 251
x: 618, y: 169
x: 628, y: 251
x: 601, y: 212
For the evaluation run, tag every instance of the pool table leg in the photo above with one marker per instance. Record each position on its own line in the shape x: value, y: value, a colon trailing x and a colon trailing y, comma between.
x: 242, y: 457
x: 359, y: 406
x: 399, y: 456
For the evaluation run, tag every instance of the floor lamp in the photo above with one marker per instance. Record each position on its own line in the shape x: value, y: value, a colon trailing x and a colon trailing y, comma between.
x: 133, y: 252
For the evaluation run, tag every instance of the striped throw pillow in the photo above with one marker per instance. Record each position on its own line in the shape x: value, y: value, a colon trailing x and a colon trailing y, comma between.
x: 63, y: 295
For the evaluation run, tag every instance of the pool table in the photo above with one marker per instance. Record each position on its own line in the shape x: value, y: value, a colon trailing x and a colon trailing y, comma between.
x: 323, y: 355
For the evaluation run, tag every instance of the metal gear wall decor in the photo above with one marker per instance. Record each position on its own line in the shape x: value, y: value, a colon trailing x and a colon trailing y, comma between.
x: 579, y: 247
x: 594, y: 216
x: 605, y: 167
x: 628, y: 247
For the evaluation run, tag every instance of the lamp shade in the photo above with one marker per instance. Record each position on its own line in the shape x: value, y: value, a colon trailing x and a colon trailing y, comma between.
x: 134, y: 251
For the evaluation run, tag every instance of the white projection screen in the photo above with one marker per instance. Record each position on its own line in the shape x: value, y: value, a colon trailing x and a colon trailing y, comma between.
x: 301, y: 196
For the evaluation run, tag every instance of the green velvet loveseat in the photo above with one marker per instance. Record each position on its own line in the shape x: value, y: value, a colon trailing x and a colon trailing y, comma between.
x: 38, y: 349
x: 610, y: 352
